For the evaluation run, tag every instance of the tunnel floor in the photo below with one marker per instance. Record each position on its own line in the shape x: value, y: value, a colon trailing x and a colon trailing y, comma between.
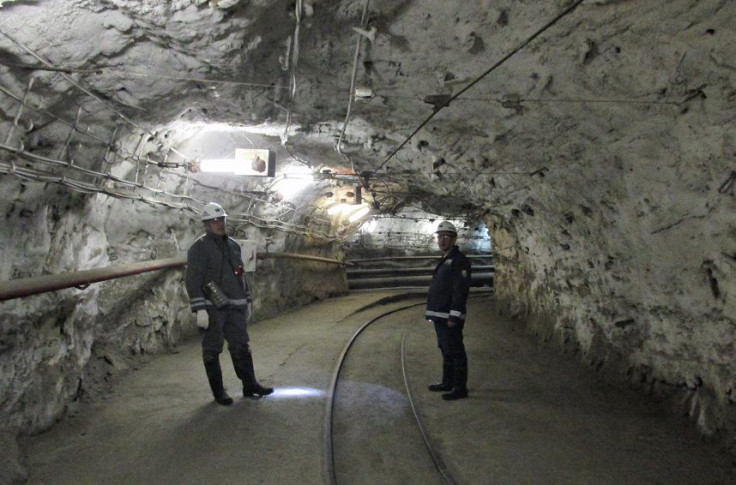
x: 534, y: 415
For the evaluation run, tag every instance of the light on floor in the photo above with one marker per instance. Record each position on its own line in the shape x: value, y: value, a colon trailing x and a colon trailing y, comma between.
x: 296, y: 392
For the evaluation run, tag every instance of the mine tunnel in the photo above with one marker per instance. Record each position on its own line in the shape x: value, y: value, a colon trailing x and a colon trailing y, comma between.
x: 584, y: 152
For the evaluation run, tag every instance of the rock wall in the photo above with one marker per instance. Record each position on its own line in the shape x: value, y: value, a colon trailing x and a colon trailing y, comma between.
x: 57, y: 348
x: 645, y: 302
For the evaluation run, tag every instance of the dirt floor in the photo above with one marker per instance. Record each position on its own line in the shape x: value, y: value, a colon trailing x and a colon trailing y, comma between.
x: 533, y: 416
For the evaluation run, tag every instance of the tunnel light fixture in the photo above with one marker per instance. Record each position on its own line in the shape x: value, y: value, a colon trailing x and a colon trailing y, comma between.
x: 360, y: 213
x: 292, y: 180
x: 247, y: 161
x: 291, y: 185
x: 337, y: 209
x: 364, y: 93
x: 353, y: 212
x: 351, y: 209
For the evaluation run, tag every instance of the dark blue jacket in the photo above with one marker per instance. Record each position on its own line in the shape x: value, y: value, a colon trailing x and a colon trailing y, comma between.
x: 216, y: 258
x: 449, y: 288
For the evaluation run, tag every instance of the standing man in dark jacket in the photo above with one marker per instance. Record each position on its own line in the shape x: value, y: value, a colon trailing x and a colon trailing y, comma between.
x: 446, y: 307
x: 220, y: 296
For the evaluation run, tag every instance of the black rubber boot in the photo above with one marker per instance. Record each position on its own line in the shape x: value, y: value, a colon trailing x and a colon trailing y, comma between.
x: 447, y: 376
x: 460, y: 381
x: 214, y: 376
x: 243, y: 363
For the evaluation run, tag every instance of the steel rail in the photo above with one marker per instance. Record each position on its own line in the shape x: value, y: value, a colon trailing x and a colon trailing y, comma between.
x: 428, y: 442
x: 329, y: 461
x: 431, y: 448
x: 24, y: 287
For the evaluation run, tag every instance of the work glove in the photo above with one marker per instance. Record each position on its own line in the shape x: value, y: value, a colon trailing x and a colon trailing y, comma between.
x: 203, y: 320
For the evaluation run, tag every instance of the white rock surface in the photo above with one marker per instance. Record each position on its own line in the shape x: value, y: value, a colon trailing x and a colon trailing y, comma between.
x: 601, y: 156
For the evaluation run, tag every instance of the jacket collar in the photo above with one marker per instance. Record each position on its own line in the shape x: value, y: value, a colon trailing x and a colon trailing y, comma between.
x: 216, y: 238
x: 449, y: 254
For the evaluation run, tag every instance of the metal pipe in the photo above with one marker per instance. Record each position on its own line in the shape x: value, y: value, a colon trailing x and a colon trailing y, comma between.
x: 82, y: 279
x: 404, y: 271
x: 388, y: 282
x: 404, y: 258
x: 300, y: 256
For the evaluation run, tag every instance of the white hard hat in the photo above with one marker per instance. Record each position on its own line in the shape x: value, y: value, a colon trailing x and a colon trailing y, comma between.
x: 212, y: 211
x: 446, y: 226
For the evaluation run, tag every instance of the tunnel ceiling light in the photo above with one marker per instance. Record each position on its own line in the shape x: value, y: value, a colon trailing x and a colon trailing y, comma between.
x: 290, y: 187
x: 247, y: 161
x: 336, y: 209
x: 360, y: 213
x: 364, y: 93
x: 296, y: 177
x: 353, y: 212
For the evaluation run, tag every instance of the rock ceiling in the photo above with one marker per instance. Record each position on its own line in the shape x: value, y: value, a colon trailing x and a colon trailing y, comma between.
x: 596, y: 139
x: 470, y: 99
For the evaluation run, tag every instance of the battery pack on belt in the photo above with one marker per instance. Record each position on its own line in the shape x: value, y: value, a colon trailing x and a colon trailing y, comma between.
x: 214, y: 294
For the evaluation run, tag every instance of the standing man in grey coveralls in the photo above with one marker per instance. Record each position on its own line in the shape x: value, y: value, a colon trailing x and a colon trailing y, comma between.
x: 221, y: 315
x: 446, y: 307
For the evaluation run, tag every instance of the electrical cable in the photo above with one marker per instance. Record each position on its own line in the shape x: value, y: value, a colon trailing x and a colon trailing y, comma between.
x: 40, y: 176
x: 352, y: 82
x: 194, y: 79
x: 89, y: 188
x: 576, y: 100
x: 541, y: 100
x: 85, y: 132
x: 437, y: 109
x: 86, y: 91
x: 73, y: 82
x: 293, y: 59
x: 12, y: 169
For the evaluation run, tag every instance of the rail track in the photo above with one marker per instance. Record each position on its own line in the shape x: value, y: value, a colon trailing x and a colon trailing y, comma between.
x: 362, y: 413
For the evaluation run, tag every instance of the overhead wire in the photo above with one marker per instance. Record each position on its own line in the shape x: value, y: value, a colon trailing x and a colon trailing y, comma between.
x: 293, y: 59
x: 87, y: 187
x: 85, y: 90
x: 75, y: 128
x: 194, y: 207
x: 29, y: 174
x: 116, y: 149
x: 513, y: 52
x: 501, y: 101
x: 38, y: 175
x: 72, y: 81
x: 352, y: 82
